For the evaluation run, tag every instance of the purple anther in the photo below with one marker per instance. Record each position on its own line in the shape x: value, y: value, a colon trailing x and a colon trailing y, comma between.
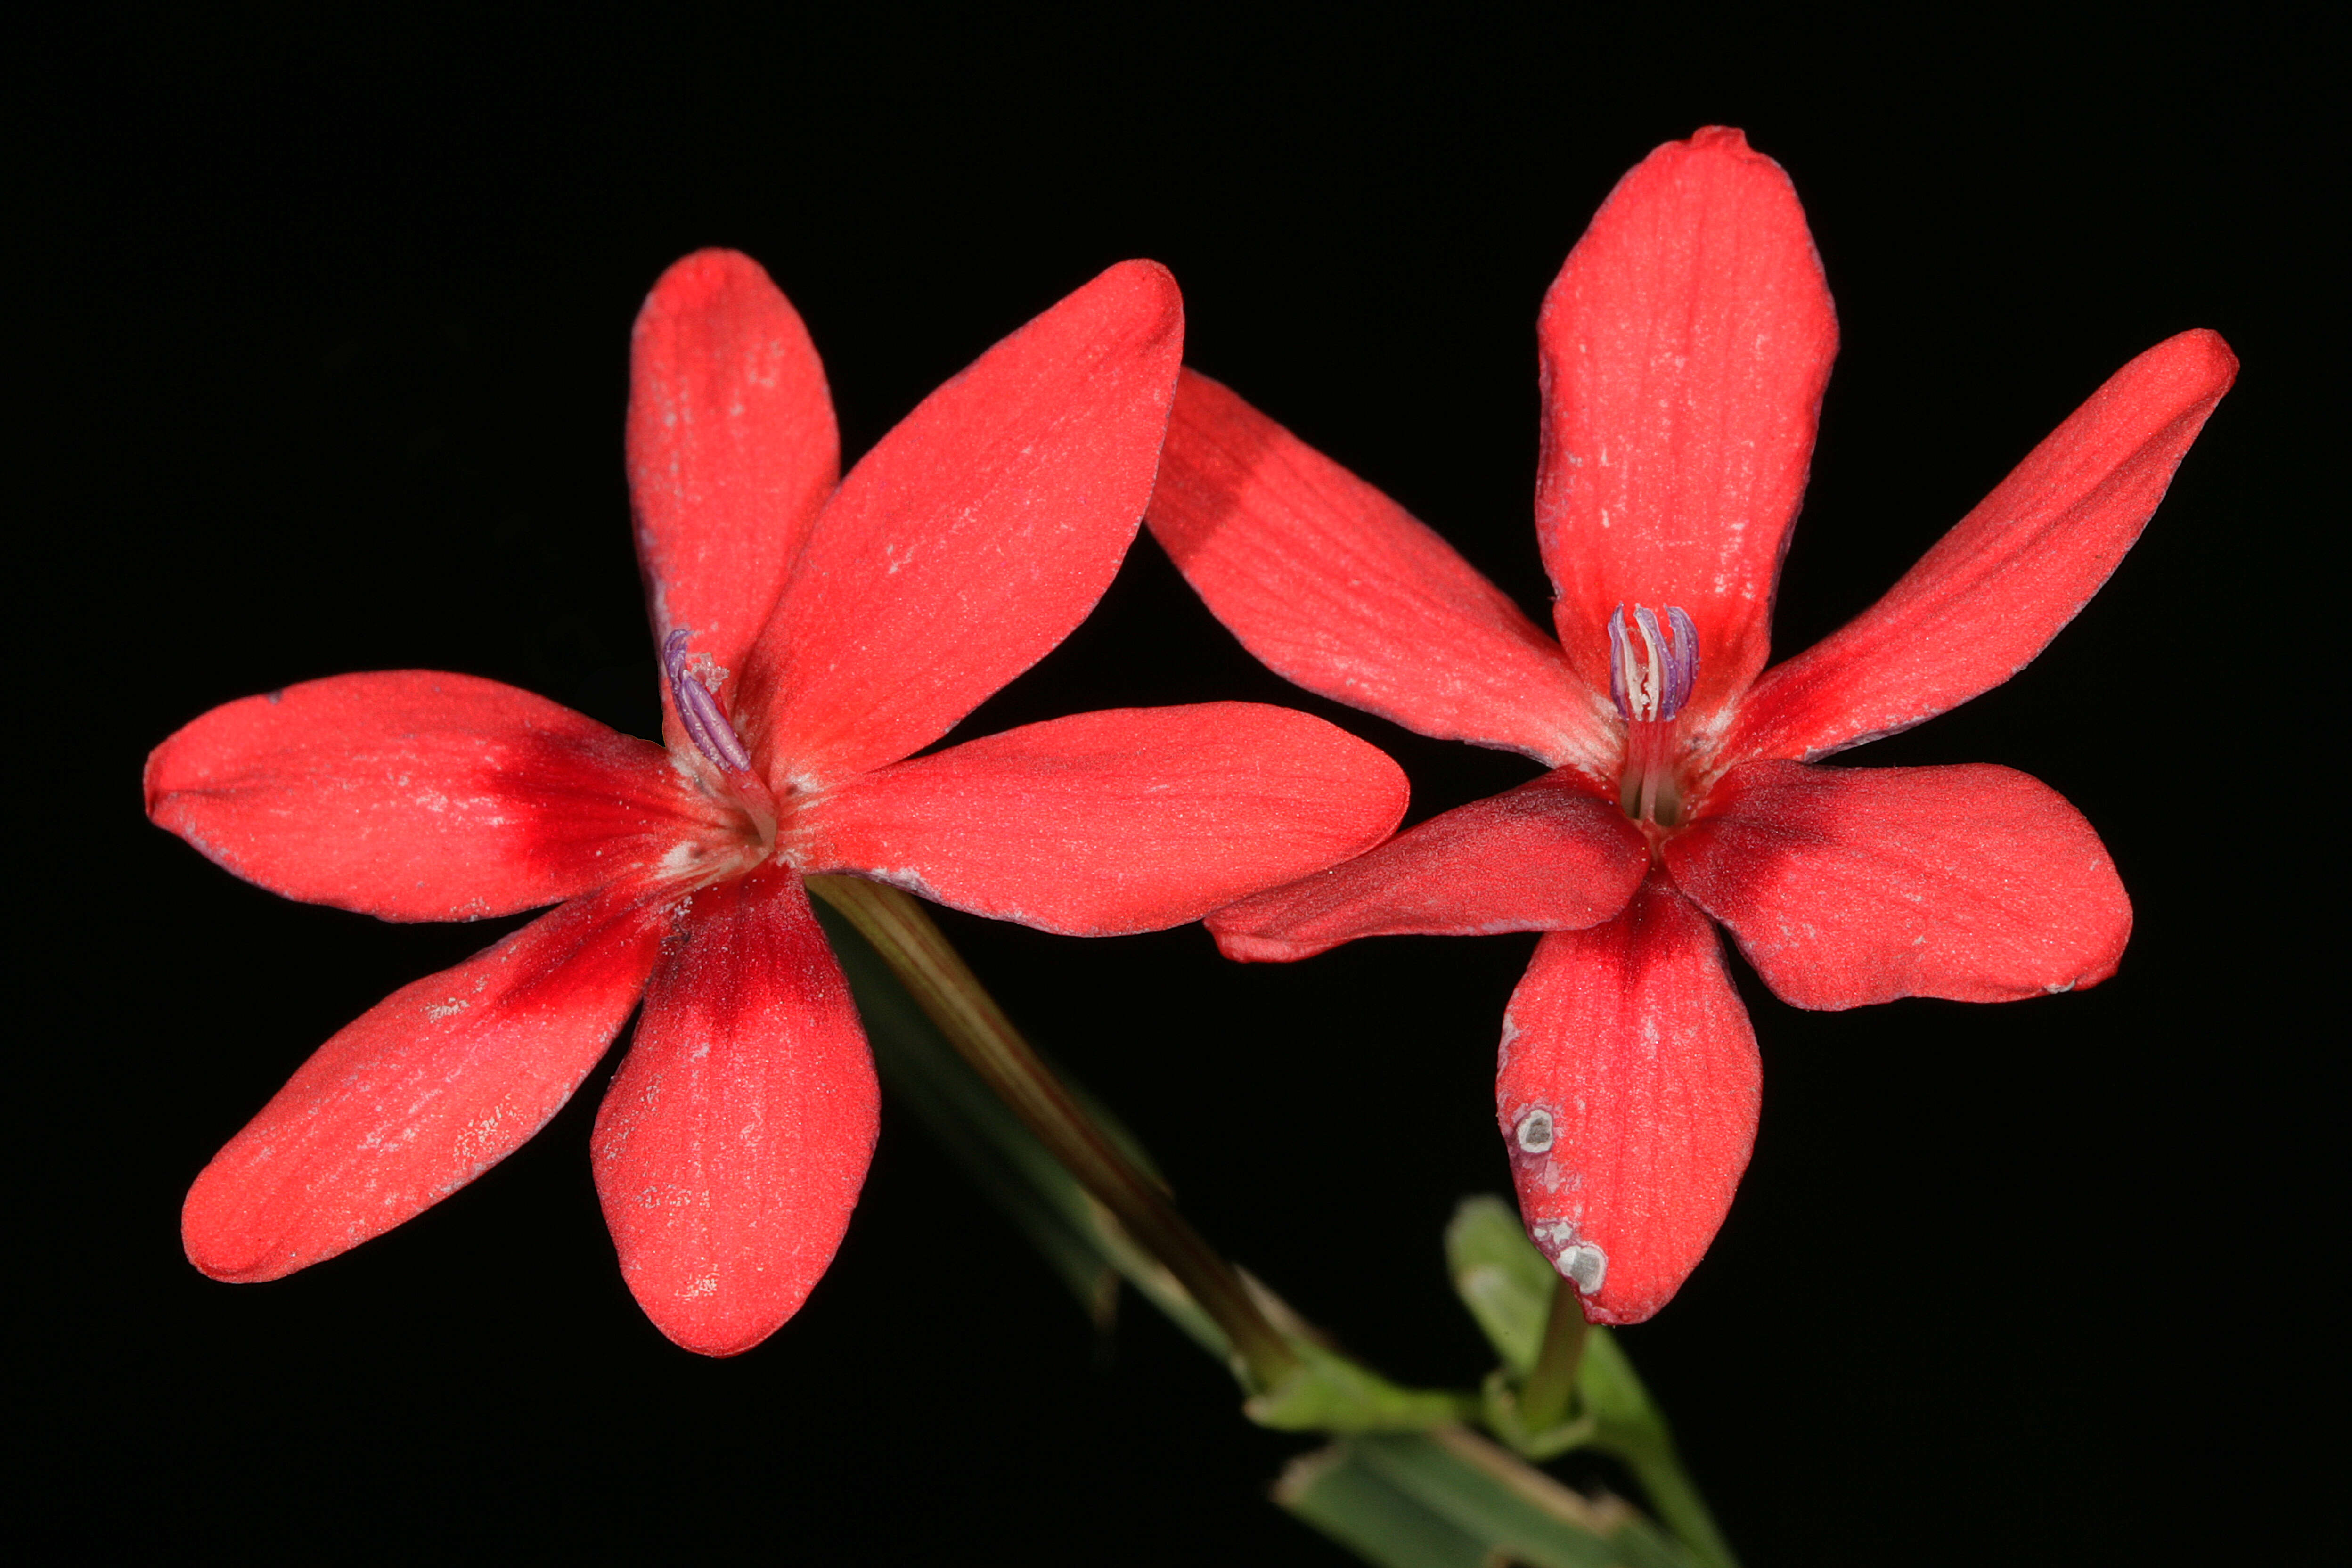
x: 1682, y: 662
x: 1654, y: 655
x: 1617, y: 662
x: 1652, y: 670
x: 706, y: 722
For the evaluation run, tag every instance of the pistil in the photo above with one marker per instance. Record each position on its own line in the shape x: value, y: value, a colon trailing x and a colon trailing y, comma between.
x: 1652, y: 668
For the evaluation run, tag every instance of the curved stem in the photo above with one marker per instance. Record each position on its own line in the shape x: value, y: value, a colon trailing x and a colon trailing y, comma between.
x: 1675, y: 1502
x: 947, y: 990
x: 1544, y: 1398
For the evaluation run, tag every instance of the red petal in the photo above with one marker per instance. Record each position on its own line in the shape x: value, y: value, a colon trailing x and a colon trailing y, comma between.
x: 1547, y: 855
x: 1629, y: 1037
x: 731, y: 449
x: 1128, y: 820
x: 1684, y: 347
x: 734, y: 1140
x: 1847, y: 886
x: 430, y: 1087
x: 417, y: 795
x: 1995, y: 589
x: 1334, y: 586
x: 973, y: 537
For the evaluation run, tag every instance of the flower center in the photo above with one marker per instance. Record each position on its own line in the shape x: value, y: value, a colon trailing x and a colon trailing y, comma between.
x: 729, y: 776
x: 1652, y: 668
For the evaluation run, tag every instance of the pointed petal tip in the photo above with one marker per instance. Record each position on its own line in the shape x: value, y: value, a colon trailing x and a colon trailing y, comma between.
x: 1144, y: 276
x: 1721, y: 140
x: 152, y: 789
x: 1139, y: 296
x: 1147, y: 302
x: 1729, y: 143
x: 1243, y: 947
x: 719, y: 1333
x: 221, y: 1248
x: 1143, y: 279
x: 2204, y: 352
x: 2183, y: 376
x: 695, y: 282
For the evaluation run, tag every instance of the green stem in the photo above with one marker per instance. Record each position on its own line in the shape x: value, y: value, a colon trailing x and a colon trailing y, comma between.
x: 1675, y: 1501
x: 1544, y: 1398
x: 919, y: 953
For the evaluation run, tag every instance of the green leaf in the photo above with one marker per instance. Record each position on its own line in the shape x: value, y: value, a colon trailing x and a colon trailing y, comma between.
x: 1507, y: 1285
x: 1499, y: 1408
x: 1337, y: 1492
x: 1329, y: 1393
x: 1411, y: 1489
x: 1501, y: 1277
x: 1611, y: 1391
x: 1448, y: 1497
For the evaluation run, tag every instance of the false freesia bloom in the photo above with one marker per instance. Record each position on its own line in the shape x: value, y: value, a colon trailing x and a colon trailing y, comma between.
x: 815, y: 632
x: 1684, y: 351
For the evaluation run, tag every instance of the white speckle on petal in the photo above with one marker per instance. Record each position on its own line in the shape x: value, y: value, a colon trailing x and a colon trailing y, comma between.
x: 1534, y: 1132
x: 1580, y: 1262
x: 1583, y: 1266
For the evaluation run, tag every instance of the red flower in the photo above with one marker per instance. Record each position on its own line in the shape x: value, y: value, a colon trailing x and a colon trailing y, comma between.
x: 1683, y: 347
x: 815, y: 633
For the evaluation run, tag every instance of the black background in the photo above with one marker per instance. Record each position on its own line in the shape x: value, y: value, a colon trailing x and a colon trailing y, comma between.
x: 320, y: 367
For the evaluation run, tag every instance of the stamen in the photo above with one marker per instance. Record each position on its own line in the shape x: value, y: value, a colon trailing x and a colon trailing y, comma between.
x: 698, y: 710
x: 1651, y: 680
x: 1652, y: 669
x: 1682, y: 661
x: 1617, y: 663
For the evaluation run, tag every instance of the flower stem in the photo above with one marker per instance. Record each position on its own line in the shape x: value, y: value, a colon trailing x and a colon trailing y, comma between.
x: 1544, y: 1397
x: 939, y: 981
x: 1675, y: 1501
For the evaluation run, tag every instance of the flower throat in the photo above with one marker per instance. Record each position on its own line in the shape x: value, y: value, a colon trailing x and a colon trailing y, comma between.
x: 1652, y: 668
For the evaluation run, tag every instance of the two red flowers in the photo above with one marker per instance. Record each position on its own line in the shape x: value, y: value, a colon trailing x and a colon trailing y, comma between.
x: 818, y: 633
